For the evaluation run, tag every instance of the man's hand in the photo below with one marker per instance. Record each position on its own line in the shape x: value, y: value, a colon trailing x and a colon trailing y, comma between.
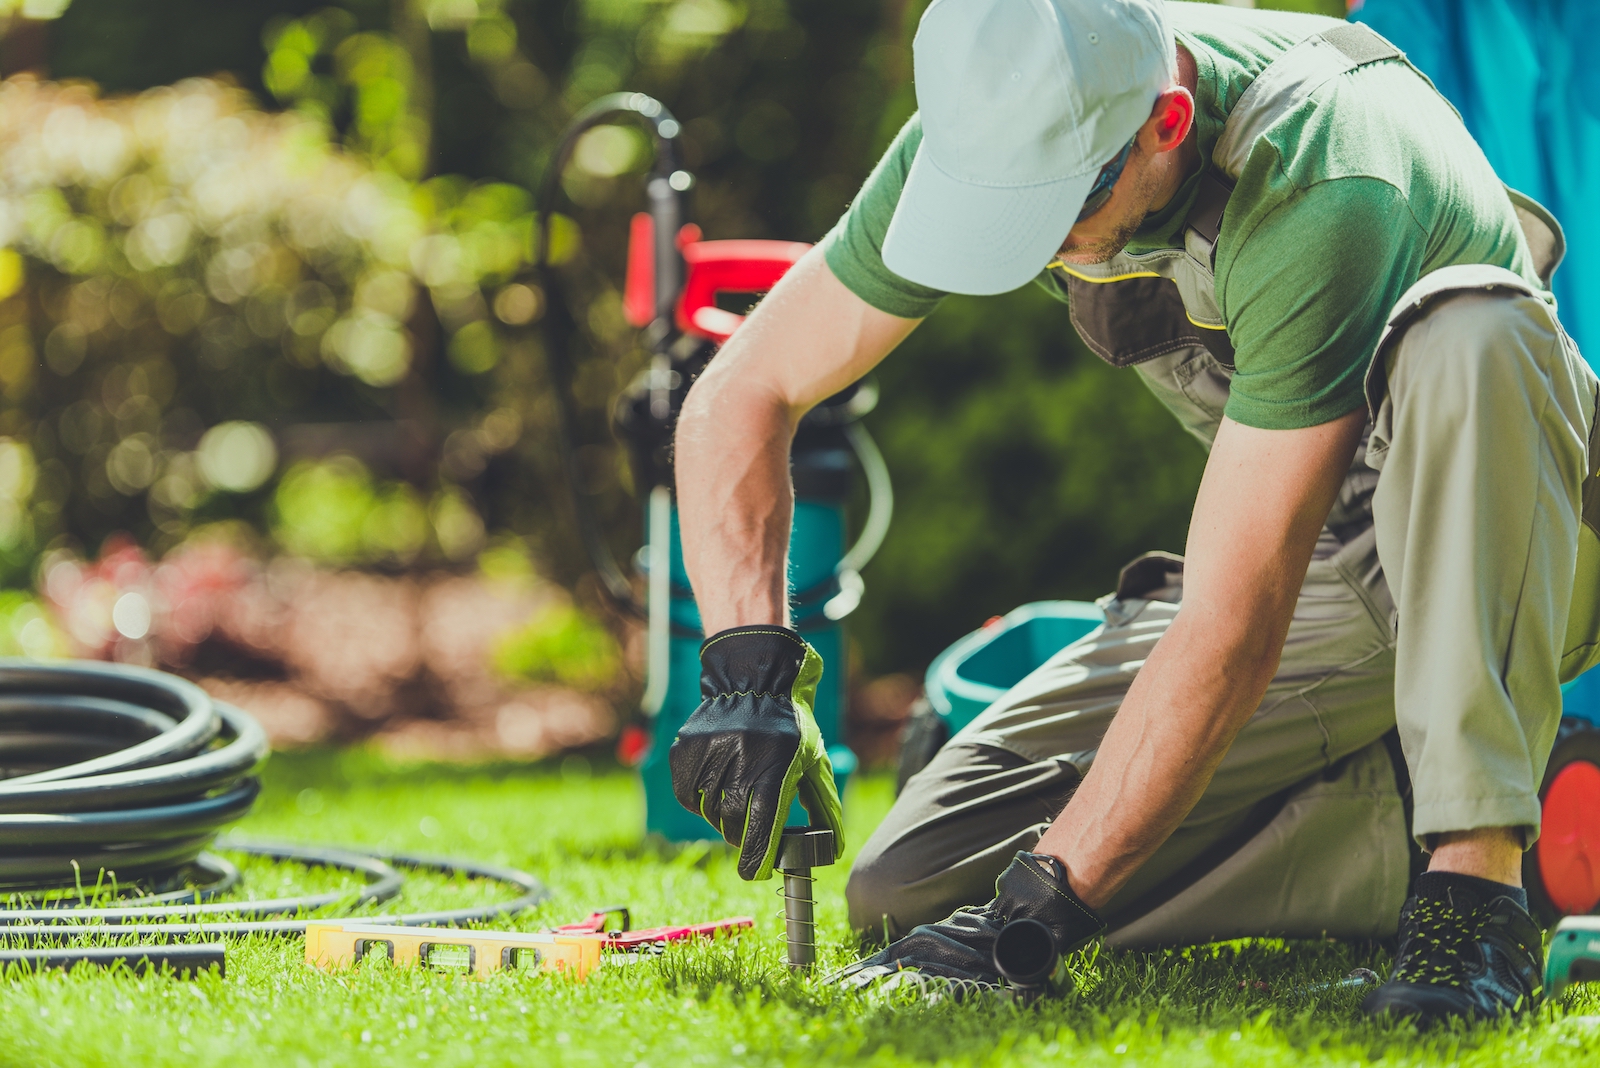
x: 1261, y: 506
x: 961, y: 948
x: 752, y: 746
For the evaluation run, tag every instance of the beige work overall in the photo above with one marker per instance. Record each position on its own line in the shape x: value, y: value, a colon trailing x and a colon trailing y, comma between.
x: 1437, y: 602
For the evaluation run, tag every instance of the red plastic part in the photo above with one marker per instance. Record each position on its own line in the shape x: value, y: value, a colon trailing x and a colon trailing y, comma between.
x: 633, y: 745
x: 595, y: 923
x: 1569, y: 839
x: 711, y: 267
x: 651, y: 935
x: 639, y: 292
x: 729, y: 267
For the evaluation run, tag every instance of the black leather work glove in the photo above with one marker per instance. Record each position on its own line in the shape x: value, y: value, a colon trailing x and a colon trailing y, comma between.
x: 753, y: 745
x: 961, y: 948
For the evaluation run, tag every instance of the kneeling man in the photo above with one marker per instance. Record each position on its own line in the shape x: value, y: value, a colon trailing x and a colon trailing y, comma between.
x: 1281, y: 229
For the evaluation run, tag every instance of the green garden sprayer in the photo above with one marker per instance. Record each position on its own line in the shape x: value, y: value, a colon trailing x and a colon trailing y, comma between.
x: 675, y: 294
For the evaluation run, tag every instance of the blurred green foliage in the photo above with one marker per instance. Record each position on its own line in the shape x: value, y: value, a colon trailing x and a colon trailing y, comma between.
x: 562, y: 644
x: 26, y: 629
x: 1025, y: 469
x: 196, y: 286
x: 332, y: 511
x: 335, y: 511
x: 395, y: 358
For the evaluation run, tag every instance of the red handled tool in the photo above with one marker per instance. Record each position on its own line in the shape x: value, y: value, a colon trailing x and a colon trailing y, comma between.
x: 622, y: 939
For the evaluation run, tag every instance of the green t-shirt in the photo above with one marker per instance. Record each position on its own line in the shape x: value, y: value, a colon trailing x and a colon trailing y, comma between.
x: 1370, y: 184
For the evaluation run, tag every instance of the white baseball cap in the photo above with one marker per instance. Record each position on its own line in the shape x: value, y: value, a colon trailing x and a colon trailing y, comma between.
x: 1023, y: 102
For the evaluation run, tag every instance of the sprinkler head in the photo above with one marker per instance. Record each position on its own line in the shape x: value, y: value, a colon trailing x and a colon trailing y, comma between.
x: 805, y: 847
x: 802, y: 849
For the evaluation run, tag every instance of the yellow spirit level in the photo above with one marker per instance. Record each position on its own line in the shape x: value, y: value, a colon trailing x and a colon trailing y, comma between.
x: 340, y: 944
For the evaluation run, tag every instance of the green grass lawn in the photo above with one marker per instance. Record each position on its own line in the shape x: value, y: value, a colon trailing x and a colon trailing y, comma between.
x: 731, y: 1003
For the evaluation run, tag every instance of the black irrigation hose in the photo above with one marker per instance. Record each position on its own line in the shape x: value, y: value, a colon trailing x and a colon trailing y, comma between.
x: 43, y: 926
x: 223, y: 875
x: 183, y: 961
x: 533, y: 891
x: 124, y: 770
x: 118, y: 771
x: 383, y: 883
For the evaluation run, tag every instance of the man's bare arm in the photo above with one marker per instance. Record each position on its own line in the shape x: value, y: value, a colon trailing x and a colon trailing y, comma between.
x: 1263, y: 499
x: 809, y: 338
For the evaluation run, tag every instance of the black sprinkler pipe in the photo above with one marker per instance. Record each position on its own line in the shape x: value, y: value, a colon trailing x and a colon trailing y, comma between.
x: 1025, y: 955
x: 182, y: 961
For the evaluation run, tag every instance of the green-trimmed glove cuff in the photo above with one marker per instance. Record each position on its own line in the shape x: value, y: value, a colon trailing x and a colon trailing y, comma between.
x: 761, y: 660
x: 1035, y: 887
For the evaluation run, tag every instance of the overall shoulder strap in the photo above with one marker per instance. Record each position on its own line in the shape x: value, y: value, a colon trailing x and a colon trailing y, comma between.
x: 1279, y: 89
x: 1205, y: 218
x: 1289, y: 80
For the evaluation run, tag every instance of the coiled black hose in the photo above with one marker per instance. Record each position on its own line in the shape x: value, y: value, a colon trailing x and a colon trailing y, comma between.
x: 115, y: 768
x: 109, y: 770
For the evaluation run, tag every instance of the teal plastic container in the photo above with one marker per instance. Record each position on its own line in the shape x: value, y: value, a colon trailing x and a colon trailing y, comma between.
x: 816, y: 544
x: 974, y: 671
x: 971, y: 674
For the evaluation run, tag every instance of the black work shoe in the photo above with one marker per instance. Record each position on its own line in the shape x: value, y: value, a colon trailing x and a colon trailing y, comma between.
x: 1466, y: 952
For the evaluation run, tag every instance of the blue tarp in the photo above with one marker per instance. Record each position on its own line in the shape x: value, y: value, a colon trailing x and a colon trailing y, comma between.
x: 1511, y: 67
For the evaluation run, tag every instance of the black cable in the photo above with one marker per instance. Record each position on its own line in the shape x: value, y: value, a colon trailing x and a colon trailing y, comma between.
x: 223, y: 875
x: 558, y: 326
x: 383, y: 884
x: 557, y: 329
x: 533, y: 891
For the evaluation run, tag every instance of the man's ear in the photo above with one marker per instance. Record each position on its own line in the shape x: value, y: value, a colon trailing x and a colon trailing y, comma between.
x: 1170, y: 120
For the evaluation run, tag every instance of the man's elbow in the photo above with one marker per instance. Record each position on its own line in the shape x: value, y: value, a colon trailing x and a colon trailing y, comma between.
x: 724, y: 397
x: 697, y: 406
x: 1252, y: 663
x: 1244, y: 648
x: 1259, y: 665
x: 722, y: 412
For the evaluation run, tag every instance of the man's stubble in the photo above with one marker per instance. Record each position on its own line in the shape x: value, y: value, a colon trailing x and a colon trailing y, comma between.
x: 1146, y: 188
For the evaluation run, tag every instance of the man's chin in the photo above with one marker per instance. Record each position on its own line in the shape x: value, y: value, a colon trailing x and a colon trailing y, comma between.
x: 1092, y: 252
x: 1089, y: 255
